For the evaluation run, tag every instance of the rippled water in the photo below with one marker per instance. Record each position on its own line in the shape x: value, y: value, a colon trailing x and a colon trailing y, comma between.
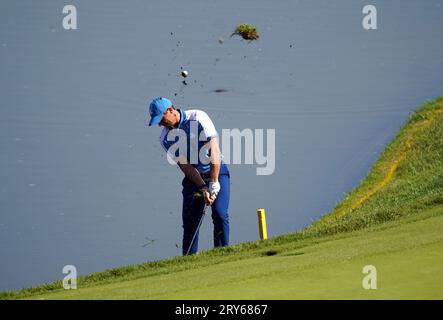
x: 84, y: 182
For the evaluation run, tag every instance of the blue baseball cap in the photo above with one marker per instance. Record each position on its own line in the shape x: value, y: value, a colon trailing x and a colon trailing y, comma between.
x: 157, y: 108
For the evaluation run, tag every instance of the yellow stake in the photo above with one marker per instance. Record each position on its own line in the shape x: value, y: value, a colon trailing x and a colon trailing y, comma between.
x: 262, y: 224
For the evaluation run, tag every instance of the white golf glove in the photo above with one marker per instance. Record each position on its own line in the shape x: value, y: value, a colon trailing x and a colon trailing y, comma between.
x: 214, y: 188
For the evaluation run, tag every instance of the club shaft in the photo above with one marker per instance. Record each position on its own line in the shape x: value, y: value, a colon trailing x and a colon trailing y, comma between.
x: 198, y: 228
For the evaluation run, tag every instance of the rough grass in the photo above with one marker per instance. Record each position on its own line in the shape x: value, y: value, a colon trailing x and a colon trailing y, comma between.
x: 413, y: 162
x: 405, y: 181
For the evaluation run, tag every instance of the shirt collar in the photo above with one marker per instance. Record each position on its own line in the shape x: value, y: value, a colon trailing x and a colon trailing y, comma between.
x: 182, y: 117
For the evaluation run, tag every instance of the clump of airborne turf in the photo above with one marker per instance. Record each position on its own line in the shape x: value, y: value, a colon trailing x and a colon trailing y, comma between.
x: 246, y: 31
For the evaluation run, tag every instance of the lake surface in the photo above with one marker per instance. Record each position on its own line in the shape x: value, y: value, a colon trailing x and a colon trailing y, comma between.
x: 84, y: 182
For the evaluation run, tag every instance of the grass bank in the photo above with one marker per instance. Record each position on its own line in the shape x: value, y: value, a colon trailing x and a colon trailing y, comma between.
x: 392, y: 220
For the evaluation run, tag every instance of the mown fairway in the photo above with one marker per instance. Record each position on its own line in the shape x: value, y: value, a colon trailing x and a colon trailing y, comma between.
x: 408, y: 256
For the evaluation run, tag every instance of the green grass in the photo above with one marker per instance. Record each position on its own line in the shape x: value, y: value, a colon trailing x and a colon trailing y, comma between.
x: 392, y: 220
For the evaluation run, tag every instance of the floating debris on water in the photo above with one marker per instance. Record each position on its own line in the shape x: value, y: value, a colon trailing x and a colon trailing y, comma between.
x: 184, y: 73
x: 220, y: 90
x: 149, y: 241
x: 221, y: 40
x: 246, y: 31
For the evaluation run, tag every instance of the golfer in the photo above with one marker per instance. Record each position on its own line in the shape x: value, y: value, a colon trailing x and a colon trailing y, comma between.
x: 207, y: 178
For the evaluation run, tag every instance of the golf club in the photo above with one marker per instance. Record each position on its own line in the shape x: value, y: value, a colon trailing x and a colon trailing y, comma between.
x: 198, y: 228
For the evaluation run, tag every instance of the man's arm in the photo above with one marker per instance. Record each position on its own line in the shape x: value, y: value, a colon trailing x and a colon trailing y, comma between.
x: 191, y: 173
x: 215, y: 159
x: 211, y: 134
x: 214, y: 185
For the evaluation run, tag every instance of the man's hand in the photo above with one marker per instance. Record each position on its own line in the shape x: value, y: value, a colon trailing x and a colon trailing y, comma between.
x: 214, y: 188
x: 209, y: 199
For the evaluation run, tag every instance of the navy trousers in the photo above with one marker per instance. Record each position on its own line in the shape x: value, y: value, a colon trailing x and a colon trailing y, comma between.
x: 193, y: 211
